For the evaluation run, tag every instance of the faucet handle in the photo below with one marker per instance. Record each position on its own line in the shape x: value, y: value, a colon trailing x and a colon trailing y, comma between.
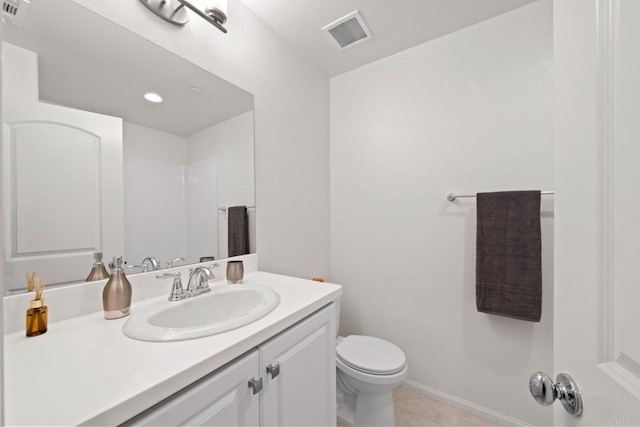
x: 168, y: 275
x: 208, y: 273
x: 171, y: 264
x: 177, y: 291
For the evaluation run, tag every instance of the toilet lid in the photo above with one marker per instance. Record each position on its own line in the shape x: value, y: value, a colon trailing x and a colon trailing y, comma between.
x: 371, y: 355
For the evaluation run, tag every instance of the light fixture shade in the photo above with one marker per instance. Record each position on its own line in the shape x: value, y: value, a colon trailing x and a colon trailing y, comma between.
x: 221, y: 5
x: 217, y: 9
x: 174, y: 11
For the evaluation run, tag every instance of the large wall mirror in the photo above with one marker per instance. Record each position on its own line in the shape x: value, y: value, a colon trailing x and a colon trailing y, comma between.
x: 91, y: 165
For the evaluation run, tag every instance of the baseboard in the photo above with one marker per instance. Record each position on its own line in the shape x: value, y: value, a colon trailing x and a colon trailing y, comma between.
x: 470, y: 407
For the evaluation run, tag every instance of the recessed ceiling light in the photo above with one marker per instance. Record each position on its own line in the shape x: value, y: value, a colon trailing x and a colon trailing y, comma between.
x: 152, y: 97
x: 195, y: 89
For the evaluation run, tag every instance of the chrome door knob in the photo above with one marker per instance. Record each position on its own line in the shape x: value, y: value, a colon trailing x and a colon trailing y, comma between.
x: 542, y: 388
x: 565, y: 389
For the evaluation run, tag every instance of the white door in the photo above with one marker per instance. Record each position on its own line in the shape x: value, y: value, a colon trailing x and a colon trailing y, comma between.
x: 597, y: 136
x: 219, y: 399
x: 63, y: 172
x: 298, y: 367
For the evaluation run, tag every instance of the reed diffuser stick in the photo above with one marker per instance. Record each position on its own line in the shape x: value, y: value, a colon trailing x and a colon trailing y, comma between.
x: 39, y: 283
x: 30, y: 281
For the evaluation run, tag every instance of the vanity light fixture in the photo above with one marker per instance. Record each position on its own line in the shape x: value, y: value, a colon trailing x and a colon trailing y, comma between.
x: 153, y: 97
x: 174, y: 11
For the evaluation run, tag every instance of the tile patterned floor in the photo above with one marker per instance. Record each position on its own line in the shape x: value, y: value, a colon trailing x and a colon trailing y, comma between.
x: 414, y: 409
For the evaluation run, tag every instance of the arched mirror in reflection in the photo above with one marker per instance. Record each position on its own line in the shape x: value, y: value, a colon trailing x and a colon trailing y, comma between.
x: 91, y: 165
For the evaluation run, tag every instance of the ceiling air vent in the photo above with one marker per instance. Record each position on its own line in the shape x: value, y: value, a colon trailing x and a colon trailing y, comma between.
x: 348, y: 31
x: 13, y: 11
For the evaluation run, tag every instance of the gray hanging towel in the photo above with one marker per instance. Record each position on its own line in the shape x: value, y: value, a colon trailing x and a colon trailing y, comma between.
x: 508, y: 254
x: 238, y: 231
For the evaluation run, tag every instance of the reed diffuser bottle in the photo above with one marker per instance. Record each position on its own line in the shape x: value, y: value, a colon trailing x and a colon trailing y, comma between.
x: 98, y: 272
x: 116, y: 296
x: 37, y: 311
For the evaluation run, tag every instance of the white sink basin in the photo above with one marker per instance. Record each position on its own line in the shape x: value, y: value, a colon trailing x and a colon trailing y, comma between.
x: 225, y: 308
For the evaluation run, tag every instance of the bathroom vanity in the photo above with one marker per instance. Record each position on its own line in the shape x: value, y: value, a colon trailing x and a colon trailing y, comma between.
x: 287, y: 379
x: 278, y: 370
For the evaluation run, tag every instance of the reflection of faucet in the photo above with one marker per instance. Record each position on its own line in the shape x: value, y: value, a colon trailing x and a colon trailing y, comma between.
x: 150, y: 262
x: 199, y: 280
x: 128, y: 268
x: 171, y: 264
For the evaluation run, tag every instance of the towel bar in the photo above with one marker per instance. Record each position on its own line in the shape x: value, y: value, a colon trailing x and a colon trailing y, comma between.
x: 225, y: 209
x: 451, y: 196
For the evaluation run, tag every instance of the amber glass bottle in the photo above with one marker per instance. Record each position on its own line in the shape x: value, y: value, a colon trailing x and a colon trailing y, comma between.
x: 36, y: 318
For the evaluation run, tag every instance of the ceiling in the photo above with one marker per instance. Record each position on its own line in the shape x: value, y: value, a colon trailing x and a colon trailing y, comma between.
x: 107, y: 68
x: 396, y: 25
x: 89, y: 63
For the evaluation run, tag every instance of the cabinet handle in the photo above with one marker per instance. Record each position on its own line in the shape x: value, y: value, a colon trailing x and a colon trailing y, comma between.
x: 274, y: 370
x: 255, y: 385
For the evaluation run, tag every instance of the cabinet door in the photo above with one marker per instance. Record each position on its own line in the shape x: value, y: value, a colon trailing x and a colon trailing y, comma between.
x: 222, y: 398
x: 303, y: 391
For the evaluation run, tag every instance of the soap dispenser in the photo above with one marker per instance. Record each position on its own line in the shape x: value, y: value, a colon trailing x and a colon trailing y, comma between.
x: 116, y: 296
x: 98, y: 272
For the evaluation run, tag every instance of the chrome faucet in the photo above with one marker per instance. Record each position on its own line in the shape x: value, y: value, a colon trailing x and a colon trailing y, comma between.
x: 199, y: 280
x: 150, y: 262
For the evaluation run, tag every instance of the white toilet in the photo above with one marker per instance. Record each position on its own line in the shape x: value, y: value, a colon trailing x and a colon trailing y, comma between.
x: 368, y: 369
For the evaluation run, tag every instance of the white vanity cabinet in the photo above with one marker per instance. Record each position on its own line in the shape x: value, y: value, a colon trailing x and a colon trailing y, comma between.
x: 297, y: 373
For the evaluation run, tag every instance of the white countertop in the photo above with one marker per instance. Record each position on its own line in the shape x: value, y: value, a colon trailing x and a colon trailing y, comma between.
x: 84, y: 370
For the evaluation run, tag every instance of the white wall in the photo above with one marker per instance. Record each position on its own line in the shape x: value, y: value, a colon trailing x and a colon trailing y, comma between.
x: 175, y: 185
x: 2, y: 243
x: 203, y: 237
x: 231, y: 143
x: 291, y: 125
x: 469, y: 112
x: 142, y: 142
x: 155, y: 195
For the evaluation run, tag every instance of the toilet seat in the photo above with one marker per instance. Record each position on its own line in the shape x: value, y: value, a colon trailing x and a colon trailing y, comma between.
x: 370, y: 355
